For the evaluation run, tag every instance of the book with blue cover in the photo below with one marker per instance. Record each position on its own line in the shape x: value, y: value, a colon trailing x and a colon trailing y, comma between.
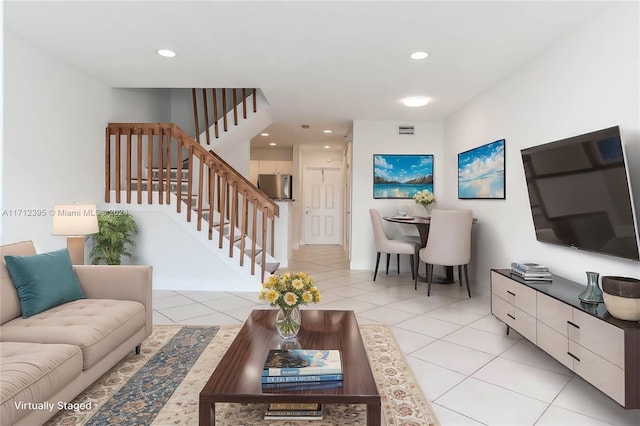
x: 301, y: 379
x: 300, y: 386
x: 302, y: 362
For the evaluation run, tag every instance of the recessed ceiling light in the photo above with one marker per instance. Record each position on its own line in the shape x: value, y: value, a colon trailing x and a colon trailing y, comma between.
x: 264, y: 134
x: 415, y: 101
x: 273, y: 143
x: 166, y: 53
x: 326, y: 147
x: 419, y: 55
x: 327, y: 131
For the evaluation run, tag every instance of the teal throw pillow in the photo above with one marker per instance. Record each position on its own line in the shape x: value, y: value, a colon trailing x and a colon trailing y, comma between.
x: 43, y: 280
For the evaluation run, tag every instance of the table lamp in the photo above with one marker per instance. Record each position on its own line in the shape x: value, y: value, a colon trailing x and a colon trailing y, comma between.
x: 75, y: 221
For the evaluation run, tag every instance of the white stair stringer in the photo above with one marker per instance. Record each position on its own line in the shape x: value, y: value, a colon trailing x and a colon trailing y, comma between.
x: 183, y: 257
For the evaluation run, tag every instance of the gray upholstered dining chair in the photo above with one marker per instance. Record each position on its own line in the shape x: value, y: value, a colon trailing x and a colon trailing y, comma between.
x: 390, y: 246
x: 449, y: 243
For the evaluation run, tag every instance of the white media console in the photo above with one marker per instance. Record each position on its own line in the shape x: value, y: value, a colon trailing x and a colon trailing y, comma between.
x: 585, y: 338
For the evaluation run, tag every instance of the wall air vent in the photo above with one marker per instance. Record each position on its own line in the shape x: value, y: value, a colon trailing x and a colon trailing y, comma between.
x: 405, y: 130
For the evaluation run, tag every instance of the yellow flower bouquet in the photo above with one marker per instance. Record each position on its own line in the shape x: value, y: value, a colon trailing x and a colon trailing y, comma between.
x: 425, y: 198
x: 287, y: 292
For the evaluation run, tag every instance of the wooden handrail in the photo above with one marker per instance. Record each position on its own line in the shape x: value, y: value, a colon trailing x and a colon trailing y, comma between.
x: 232, y: 198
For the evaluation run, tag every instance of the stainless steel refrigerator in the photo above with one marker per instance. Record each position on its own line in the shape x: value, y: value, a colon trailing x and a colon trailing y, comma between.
x: 277, y: 187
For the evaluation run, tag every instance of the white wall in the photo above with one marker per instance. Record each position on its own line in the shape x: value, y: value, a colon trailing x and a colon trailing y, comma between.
x: 275, y: 154
x: 53, y: 148
x: 381, y: 137
x: 53, y: 140
x: 588, y: 81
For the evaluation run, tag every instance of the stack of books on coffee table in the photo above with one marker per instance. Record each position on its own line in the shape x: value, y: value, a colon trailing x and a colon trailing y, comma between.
x: 298, y: 370
x: 531, y: 271
x: 302, y: 369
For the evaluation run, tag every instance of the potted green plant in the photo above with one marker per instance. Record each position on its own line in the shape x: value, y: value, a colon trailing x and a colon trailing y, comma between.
x: 114, y: 237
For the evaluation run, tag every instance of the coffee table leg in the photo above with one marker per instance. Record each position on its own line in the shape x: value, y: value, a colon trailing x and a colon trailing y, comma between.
x: 207, y: 414
x: 373, y: 414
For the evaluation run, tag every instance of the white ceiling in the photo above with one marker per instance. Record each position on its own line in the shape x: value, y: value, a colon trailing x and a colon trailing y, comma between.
x: 323, y: 63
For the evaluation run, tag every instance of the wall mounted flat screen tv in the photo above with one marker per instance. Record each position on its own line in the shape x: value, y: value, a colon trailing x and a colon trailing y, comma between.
x: 580, y: 194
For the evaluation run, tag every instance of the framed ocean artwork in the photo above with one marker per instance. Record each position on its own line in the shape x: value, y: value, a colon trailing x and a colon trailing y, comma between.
x: 481, y: 172
x: 401, y: 175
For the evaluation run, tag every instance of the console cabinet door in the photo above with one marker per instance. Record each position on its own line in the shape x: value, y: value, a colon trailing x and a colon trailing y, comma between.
x: 598, y: 337
x: 599, y: 372
x: 554, y: 343
x: 521, y: 296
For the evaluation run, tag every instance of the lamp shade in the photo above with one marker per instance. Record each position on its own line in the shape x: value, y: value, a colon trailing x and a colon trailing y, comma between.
x: 75, y: 219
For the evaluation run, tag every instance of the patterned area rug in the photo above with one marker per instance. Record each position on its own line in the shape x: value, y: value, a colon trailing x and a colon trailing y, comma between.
x: 161, y: 385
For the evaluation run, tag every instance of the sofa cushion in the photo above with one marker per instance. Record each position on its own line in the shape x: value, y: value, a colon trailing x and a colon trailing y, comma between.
x: 97, y: 326
x: 43, y: 280
x: 9, y: 301
x: 32, y: 373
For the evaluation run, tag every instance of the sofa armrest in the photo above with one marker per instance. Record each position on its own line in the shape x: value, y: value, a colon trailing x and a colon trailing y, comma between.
x: 121, y: 282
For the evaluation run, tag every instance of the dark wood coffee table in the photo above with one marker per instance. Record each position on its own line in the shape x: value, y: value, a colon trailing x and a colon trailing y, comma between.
x: 237, y: 376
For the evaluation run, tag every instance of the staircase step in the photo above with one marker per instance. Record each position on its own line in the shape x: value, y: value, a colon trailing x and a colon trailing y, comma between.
x: 271, y: 267
x: 156, y: 185
x: 216, y: 222
x: 155, y: 174
x: 194, y: 200
x: 247, y: 251
x: 236, y: 236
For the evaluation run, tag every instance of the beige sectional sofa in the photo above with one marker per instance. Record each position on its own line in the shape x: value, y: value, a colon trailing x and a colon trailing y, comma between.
x: 49, y: 358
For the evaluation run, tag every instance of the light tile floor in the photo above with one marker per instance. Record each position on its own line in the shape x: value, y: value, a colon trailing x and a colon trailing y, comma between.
x: 472, y: 373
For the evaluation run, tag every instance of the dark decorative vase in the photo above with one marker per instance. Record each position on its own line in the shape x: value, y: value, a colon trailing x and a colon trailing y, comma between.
x: 592, y: 294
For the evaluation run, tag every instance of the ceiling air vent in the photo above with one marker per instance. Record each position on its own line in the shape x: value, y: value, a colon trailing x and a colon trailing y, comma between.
x: 405, y: 130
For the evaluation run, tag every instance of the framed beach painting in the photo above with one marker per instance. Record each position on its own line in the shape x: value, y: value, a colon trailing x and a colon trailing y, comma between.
x: 481, y: 172
x: 401, y: 175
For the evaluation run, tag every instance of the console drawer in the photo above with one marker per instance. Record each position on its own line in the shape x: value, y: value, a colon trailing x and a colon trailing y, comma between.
x: 522, y: 297
x: 554, y: 313
x: 515, y: 318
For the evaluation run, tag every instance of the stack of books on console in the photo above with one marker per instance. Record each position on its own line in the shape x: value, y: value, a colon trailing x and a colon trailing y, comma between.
x: 293, y: 411
x: 531, y: 271
x: 302, y: 369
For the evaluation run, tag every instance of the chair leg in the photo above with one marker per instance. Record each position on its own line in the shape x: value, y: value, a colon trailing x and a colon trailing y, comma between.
x: 398, y: 262
x: 388, y: 257
x: 466, y: 276
x: 416, y: 267
x: 429, y: 273
x: 460, y: 274
x: 413, y: 269
x: 377, y: 263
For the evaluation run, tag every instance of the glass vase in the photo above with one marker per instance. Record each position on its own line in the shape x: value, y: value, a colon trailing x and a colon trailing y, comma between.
x: 592, y: 294
x: 423, y: 211
x: 288, y: 322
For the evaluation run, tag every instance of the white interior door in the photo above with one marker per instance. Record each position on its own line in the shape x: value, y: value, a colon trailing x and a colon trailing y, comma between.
x: 322, y: 196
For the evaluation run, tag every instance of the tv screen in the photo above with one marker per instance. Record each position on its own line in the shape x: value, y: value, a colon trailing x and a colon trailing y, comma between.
x: 580, y: 195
